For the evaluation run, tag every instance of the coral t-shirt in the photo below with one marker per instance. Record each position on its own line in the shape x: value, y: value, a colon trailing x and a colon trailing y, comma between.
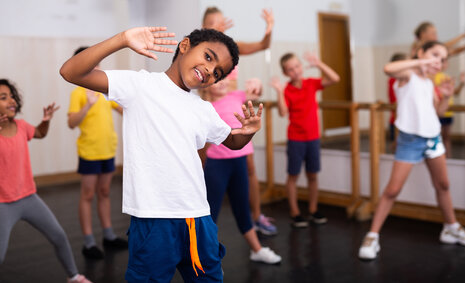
x: 16, y: 181
x: 303, y: 110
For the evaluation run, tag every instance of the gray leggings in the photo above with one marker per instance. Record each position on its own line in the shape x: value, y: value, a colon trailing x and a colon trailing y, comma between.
x: 34, y: 211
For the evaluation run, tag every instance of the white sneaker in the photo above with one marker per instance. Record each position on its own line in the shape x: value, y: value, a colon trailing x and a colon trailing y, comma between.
x: 265, y: 255
x: 453, y: 236
x: 369, y: 249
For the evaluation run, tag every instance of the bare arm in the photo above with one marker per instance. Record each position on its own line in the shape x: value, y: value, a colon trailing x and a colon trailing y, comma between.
x: 446, y: 88
x: 282, y: 106
x: 330, y: 77
x: 246, y: 48
x: 80, y: 69
x: 450, y: 43
x: 42, y: 129
x: 456, y: 51
x: 251, y: 123
x: 403, y: 69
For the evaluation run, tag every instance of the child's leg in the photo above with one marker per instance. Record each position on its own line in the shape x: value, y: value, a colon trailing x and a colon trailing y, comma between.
x: 103, y: 199
x: 217, y: 175
x: 37, y: 213
x: 399, y: 174
x: 88, y: 186
x: 238, y: 198
x: 312, y: 182
x: 438, y: 171
x: 9, y: 215
x: 291, y: 188
x: 295, y: 156
x: 254, y: 188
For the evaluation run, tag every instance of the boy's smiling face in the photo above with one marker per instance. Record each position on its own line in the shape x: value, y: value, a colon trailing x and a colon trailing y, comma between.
x: 204, y: 64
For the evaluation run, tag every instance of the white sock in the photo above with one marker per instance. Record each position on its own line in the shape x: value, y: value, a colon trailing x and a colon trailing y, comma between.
x: 373, y: 235
x: 453, y: 226
x: 74, y: 277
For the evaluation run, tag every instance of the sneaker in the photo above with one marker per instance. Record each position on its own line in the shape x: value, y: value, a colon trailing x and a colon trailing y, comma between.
x: 299, y: 222
x: 369, y: 249
x: 92, y: 252
x: 265, y: 255
x: 116, y: 244
x: 318, y: 218
x: 79, y: 279
x: 264, y: 226
x: 453, y: 236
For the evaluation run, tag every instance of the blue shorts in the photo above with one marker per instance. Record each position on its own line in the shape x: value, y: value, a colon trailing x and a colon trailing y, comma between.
x: 157, y: 246
x: 299, y: 151
x: 413, y: 149
x: 96, y: 166
x: 446, y: 120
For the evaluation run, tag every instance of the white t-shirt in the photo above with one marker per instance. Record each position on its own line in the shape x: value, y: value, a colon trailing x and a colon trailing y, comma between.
x: 415, y: 108
x: 163, y: 127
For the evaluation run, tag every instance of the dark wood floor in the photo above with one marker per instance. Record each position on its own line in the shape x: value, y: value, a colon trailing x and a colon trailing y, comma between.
x: 410, y: 251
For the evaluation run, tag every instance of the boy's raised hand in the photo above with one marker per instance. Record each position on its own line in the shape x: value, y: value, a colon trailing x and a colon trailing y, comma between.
x: 143, y: 40
x: 251, y: 122
x: 446, y: 88
x: 312, y: 59
x: 48, y: 112
x: 92, y: 96
x: 276, y: 84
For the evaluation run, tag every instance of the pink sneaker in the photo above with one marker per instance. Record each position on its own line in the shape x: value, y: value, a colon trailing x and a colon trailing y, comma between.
x: 79, y: 279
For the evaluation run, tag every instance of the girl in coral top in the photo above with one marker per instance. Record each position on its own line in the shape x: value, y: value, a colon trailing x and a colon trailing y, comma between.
x: 18, y: 195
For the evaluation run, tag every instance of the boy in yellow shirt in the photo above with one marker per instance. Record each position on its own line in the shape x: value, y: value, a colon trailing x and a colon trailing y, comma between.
x: 96, y: 150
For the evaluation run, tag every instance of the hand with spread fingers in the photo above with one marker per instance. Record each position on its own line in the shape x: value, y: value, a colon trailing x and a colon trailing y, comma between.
x: 251, y: 122
x: 143, y: 40
x: 48, y: 112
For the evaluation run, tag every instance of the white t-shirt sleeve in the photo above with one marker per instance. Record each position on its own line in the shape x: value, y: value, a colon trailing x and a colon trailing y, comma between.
x: 218, y: 130
x: 123, y: 85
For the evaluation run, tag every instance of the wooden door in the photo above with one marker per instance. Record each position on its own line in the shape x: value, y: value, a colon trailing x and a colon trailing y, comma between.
x: 335, y: 52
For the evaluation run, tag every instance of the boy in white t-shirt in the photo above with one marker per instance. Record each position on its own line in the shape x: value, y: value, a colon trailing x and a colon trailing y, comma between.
x: 163, y: 127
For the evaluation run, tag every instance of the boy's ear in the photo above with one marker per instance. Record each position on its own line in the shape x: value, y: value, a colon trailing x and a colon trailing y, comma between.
x: 184, y: 45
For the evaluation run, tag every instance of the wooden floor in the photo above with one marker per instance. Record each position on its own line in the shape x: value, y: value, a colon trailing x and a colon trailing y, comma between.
x: 410, y: 250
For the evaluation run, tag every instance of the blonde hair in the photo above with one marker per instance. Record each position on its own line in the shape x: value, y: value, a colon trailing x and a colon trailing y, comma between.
x: 209, y: 11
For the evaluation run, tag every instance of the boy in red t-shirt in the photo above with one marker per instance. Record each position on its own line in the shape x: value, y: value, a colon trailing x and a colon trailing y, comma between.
x: 298, y: 99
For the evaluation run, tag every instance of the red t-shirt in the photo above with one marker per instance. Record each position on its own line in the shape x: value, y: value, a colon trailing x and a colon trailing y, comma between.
x: 392, y: 98
x: 16, y: 181
x: 303, y: 110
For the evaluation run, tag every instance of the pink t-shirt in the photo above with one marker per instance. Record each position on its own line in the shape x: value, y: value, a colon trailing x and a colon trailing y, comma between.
x: 16, y: 181
x: 226, y: 107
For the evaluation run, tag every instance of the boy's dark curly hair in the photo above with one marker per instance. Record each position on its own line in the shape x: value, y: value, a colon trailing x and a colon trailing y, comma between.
x: 201, y: 35
x: 14, y: 92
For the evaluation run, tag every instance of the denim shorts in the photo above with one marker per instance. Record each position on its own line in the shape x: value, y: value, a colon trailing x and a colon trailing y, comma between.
x: 300, y: 151
x: 413, y: 149
x: 96, y: 166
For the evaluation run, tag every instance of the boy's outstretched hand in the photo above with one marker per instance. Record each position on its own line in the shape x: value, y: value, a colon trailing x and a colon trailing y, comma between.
x: 48, y: 112
x: 143, y: 40
x: 251, y: 122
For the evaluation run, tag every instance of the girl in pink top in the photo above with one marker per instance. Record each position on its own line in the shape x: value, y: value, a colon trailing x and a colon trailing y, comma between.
x: 226, y: 170
x: 18, y: 197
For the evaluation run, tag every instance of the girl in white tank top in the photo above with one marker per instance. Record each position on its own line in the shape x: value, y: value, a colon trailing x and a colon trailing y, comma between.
x: 417, y: 119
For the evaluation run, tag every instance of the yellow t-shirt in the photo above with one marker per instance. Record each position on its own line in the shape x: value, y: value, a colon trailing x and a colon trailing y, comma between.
x: 98, y: 138
x: 438, y: 79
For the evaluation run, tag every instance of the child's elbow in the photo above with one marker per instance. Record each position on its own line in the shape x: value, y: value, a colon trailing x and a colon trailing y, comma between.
x: 65, y: 74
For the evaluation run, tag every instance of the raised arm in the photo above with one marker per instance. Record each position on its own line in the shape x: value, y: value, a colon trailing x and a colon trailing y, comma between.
x: 282, y: 106
x: 42, y: 129
x: 330, y: 77
x: 450, y: 43
x: 80, y: 69
x: 251, y: 123
x: 246, y: 48
x: 403, y: 69
x: 75, y: 118
x: 446, y: 88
